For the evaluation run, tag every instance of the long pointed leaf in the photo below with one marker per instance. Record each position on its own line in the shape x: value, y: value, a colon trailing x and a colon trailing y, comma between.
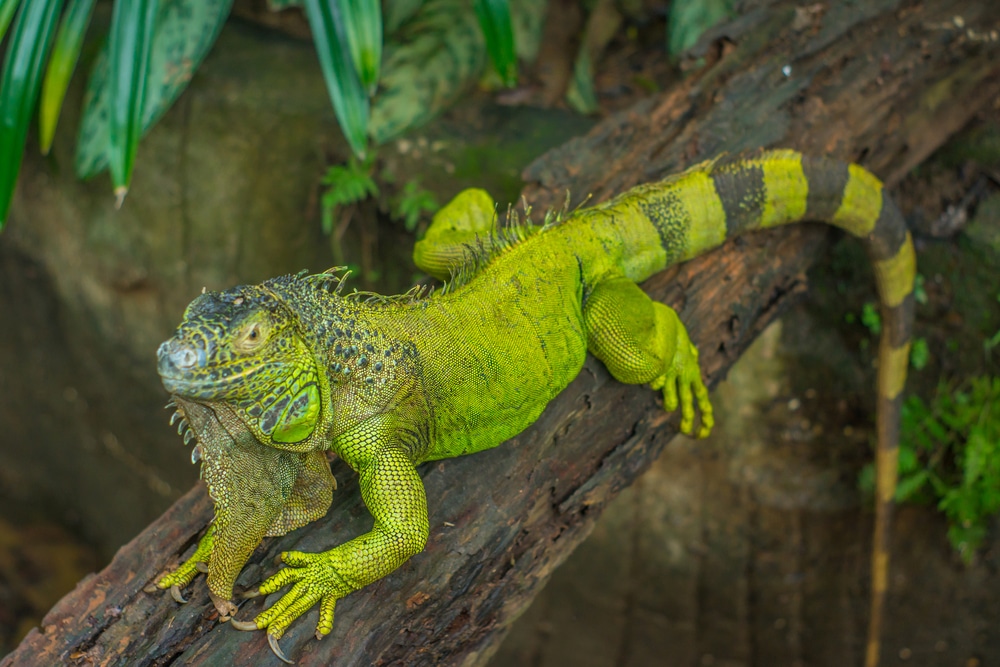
x: 185, y: 32
x: 363, y: 24
x: 34, y: 30
x: 494, y: 20
x: 350, y: 102
x: 7, y: 9
x: 65, y: 53
x: 129, y: 48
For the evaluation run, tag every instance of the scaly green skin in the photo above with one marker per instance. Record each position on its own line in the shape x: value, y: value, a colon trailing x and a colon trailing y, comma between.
x: 290, y: 368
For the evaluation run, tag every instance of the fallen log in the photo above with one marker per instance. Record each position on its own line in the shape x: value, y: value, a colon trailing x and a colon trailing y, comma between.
x: 883, y: 84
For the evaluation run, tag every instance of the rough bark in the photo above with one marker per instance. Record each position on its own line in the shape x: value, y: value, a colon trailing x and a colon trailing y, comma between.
x: 883, y: 83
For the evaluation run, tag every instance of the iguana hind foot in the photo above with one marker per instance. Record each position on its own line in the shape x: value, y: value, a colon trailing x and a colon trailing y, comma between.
x: 185, y: 573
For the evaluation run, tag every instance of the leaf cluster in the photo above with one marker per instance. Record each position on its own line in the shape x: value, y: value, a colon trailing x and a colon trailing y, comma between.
x: 950, y: 455
x: 153, y: 48
x: 352, y: 183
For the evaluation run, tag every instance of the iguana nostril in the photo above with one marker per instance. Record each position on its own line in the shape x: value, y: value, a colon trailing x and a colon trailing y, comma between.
x: 184, y: 357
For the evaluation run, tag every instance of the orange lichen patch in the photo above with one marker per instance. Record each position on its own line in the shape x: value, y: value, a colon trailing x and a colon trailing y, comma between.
x: 416, y: 600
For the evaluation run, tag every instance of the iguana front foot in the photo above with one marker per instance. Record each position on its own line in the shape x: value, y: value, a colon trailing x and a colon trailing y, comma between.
x: 315, y: 579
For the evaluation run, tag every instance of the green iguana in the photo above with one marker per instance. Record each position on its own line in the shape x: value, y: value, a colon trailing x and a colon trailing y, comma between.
x: 272, y: 376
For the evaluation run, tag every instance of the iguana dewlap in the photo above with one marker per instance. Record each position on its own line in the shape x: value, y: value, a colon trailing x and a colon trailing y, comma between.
x: 271, y: 376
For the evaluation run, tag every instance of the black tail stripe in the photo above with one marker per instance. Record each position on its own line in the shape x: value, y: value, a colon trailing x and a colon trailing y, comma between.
x: 671, y: 219
x: 741, y: 190
x: 827, y: 180
x: 889, y: 233
x: 897, y: 322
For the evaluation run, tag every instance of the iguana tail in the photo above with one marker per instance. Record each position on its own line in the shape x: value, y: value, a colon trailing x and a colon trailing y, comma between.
x: 700, y: 208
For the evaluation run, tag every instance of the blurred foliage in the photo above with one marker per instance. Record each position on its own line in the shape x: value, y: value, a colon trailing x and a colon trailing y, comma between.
x: 155, y: 46
x: 949, y: 454
x: 346, y: 184
x: 689, y: 19
x: 434, y: 51
x: 412, y: 204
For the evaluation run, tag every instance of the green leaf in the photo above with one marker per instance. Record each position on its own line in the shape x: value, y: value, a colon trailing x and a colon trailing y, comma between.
x: 908, y: 486
x: 688, y: 19
x: 412, y: 203
x: 397, y: 12
x: 7, y: 9
x: 348, y: 184
x: 350, y: 102
x: 919, y: 354
x: 129, y: 46
x: 363, y: 25
x: 580, y: 95
x: 908, y: 461
x: 871, y: 318
x: 435, y: 57
x: 494, y: 21
x: 65, y: 53
x: 975, y: 457
x: 937, y: 431
x: 185, y: 32
x: 866, y: 479
x: 20, y: 82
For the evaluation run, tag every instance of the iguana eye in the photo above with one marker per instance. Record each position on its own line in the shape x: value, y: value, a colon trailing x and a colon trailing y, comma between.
x: 252, y: 336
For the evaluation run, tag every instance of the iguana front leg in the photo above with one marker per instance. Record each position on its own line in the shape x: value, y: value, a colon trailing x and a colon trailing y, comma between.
x: 643, y: 341
x: 394, y: 494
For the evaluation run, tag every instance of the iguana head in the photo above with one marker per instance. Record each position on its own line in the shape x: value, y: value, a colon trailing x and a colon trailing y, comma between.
x: 244, y: 347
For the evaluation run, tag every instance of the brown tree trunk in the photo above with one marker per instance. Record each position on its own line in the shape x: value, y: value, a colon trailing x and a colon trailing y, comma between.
x: 882, y: 83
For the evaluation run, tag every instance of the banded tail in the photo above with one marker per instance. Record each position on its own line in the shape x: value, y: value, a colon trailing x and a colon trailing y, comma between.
x: 700, y: 208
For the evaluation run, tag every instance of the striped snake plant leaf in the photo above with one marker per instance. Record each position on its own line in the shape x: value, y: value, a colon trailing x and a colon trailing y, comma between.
x: 185, y: 32
x: 436, y: 55
x: 494, y: 21
x: 350, y: 101
x: 65, y: 53
x: 20, y: 81
x: 130, y: 44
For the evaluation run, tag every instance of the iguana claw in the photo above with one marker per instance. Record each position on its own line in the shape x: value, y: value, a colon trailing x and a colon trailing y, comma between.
x: 273, y: 643
x: 225, y: 608
x: 246, y: 626
x: 175, y: 593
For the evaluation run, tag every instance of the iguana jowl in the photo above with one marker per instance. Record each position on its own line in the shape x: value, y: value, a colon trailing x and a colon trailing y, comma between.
x: 273, y: 375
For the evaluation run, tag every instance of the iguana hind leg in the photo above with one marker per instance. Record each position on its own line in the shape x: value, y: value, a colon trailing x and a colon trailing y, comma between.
x: 643, y: 341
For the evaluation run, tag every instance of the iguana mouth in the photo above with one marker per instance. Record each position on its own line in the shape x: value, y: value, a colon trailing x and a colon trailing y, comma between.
x: 184, y: 371
x: 203, y: 389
